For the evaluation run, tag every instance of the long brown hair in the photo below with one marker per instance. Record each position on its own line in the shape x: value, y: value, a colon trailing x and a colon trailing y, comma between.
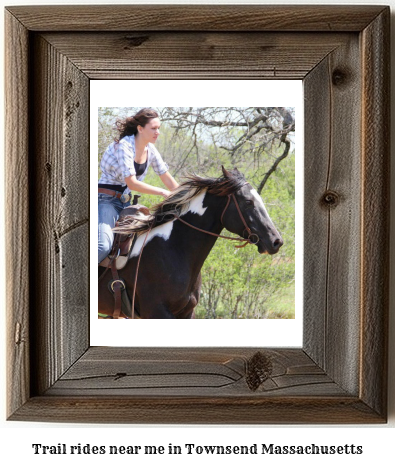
x: 128, y: 126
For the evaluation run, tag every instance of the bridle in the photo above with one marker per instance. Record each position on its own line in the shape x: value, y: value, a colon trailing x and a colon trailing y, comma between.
x: 116, y: 280
x: 246, y: 227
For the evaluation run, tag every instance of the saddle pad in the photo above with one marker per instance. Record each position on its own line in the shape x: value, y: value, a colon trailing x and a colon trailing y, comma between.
x: 120, y: 262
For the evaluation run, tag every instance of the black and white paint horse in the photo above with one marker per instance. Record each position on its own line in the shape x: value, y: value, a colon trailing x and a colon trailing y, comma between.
x: 178, y: 237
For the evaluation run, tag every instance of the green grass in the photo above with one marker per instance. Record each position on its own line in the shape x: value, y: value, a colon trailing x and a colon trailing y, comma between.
x: 282, y: 305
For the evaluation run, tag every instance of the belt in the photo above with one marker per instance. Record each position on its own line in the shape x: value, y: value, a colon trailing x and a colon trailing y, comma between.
x: 110, y: 192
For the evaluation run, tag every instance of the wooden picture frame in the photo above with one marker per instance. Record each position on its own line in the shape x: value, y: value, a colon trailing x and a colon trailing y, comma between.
x: 340, y: 373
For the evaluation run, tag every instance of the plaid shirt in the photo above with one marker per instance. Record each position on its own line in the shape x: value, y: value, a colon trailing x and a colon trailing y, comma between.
x: 118, y: 162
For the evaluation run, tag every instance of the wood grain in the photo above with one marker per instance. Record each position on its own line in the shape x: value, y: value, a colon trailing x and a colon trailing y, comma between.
x: 60, y: 213
x: 193, y: 386
x: 199, y: 55
x: 375, y: 212
x: 203, y: 372
x: 332, y: 214
x: 196, y: 18
x: 198, y: 410
x: 17, y: 213
x: 339, y: 375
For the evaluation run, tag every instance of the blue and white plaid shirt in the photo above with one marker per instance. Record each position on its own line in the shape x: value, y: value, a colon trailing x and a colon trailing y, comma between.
x: 118, y: 162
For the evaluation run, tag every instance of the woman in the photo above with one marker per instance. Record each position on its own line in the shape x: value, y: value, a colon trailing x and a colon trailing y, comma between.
x: 124, y: 166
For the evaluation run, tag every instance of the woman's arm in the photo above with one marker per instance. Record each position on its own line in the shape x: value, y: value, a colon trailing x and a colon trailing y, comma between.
x: 169, y: 181
x: 135, y: 185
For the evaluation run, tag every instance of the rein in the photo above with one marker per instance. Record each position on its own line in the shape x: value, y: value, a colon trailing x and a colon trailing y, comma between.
x: 137, y: 270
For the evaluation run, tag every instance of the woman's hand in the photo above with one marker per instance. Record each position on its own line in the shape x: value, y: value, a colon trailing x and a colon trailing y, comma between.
x: 144, y: 188
x: 165, y: 193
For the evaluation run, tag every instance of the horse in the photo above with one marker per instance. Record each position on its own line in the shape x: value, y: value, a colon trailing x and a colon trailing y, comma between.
x: 177, y: 238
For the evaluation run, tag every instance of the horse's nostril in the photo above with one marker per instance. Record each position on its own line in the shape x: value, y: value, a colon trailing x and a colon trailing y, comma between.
x: 277, y: 243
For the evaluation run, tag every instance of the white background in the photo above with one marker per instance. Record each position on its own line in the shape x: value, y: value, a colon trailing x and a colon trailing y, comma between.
x: 16, y: 438
x: 204, y: 333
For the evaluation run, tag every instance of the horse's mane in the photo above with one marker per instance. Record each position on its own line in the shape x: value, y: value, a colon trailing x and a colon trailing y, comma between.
x: 179, y: 200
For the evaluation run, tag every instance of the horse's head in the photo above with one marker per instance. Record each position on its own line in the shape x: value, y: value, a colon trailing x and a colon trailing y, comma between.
x: 257, y: 225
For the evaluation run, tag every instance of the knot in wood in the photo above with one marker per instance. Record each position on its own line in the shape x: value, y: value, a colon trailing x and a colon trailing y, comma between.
x: 135, y: 41
x: 120, y: 375
x: 340, y: 77
x: 259, y: 369
x: 330, y: 199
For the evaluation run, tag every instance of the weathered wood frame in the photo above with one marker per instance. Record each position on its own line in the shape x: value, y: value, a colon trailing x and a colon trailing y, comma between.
x: 342, y: 54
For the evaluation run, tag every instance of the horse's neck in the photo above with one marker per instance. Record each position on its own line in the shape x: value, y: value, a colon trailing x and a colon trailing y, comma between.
x: 207, y: 218
x: 209, y: 209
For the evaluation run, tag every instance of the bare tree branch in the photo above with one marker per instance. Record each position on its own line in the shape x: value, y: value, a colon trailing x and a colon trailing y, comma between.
x: 273, y: 168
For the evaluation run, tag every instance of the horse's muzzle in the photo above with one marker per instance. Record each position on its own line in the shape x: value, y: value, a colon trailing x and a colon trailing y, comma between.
x: 271, y: 247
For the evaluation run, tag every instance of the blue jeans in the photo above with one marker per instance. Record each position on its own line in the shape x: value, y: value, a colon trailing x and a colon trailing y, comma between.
x: 109, y: 210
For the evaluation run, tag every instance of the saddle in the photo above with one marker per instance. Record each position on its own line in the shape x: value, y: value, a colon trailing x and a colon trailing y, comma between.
x: 123, y: 244
x: 118, y: 258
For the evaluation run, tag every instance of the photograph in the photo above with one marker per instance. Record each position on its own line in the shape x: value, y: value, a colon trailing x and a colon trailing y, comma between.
x: 182, y: 194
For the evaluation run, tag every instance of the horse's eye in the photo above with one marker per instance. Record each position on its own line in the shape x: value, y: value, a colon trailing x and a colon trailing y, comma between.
x: 249, y: 202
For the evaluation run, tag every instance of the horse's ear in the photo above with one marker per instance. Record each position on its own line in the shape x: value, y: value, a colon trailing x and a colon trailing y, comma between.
x: 225, y: 172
